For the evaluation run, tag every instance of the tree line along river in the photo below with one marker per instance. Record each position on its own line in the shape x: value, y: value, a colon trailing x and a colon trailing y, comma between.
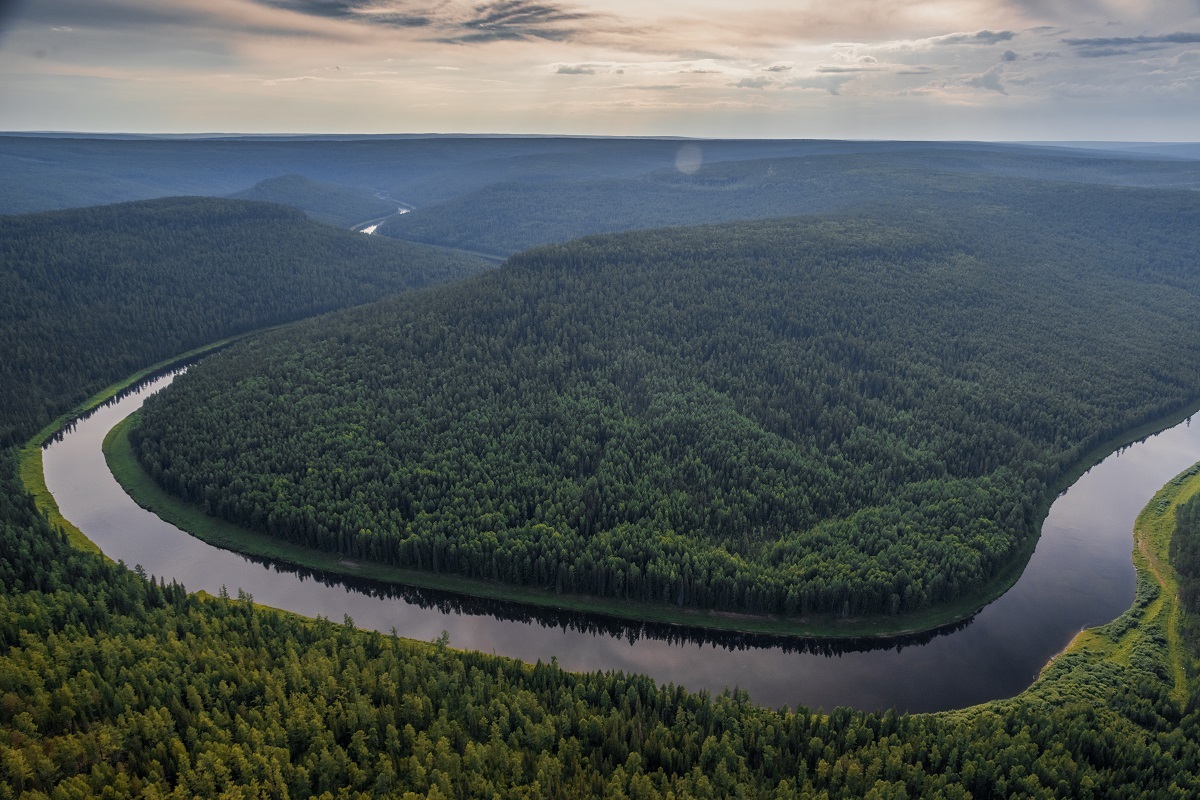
x: 1080, y: 575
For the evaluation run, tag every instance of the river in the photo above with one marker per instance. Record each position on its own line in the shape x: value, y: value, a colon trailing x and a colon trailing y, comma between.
x: 1080, y: 575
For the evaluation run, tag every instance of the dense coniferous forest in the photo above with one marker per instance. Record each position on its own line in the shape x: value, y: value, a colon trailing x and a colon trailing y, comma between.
x: 156, y: 278
x: 829, y: 415
x: 1185, y: 557
x: 112, y: 684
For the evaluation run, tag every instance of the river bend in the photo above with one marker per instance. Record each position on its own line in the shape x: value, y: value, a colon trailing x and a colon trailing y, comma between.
x: 1080, y: 575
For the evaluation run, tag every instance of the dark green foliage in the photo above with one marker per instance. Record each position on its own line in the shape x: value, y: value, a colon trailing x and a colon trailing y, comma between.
x: 825, y: 415
x: 343, y: 206
x: 1185, y: 558
x: 152, y: 279
x: 115, y: 685
x: 110, y: 682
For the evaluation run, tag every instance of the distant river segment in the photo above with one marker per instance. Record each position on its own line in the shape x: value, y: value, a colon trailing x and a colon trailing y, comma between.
x: 1080, y: 575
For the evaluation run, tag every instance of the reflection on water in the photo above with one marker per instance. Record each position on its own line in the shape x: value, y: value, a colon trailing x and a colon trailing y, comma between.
x: 1080, y: 575
x: 632, y: 631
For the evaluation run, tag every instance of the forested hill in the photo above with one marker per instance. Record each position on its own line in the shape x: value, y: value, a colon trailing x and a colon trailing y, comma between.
x: 153, y: 279
x: 507, y: 217
x: 835, y: 415
x: 343, y: 206
x: 113, y: 685
x: 39, y: 173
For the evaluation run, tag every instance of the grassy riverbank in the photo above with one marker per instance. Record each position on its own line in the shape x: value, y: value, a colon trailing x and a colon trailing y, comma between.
x: 30, y: 455
x: 227, y: 535
x: 1147, y: 635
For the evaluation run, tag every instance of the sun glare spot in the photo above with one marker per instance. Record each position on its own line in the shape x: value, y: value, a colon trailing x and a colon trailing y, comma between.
x: 688, y: 159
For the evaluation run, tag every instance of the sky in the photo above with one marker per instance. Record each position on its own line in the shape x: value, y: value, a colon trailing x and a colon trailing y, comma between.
x: 1116, y: 70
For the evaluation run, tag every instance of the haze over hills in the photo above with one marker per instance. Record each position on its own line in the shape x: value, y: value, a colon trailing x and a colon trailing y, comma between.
x: 46, y: 172
x: 338, y: 205
x: 509, y: 217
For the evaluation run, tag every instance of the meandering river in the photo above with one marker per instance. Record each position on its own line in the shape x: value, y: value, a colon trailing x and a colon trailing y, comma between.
x: 1081, y: 575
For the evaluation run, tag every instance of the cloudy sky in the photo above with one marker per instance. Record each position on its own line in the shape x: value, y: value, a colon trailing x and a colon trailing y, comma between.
x: 868, y: 69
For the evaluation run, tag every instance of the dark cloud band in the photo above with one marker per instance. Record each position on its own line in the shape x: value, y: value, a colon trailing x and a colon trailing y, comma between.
x: 500, y: 20
x: 979, y: 37
x: 1102, y: 47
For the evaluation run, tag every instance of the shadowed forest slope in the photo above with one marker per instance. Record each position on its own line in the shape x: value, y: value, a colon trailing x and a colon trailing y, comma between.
x: 153, y: 279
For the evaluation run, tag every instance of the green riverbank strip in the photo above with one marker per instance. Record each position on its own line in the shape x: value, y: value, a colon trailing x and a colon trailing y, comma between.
x: 29, y: 460
x: 1150, y: 628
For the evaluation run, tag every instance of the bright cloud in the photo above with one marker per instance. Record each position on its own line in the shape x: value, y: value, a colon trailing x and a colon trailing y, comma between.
x: 849, y: 68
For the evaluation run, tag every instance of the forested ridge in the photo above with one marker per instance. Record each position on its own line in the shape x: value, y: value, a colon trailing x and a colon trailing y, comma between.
x: 343, y: 206
x: 831, y: 415
x: 156, y: 278
x: 39, y: 173
x: 115, y: 685
x: 110, y: 683
x: 510, y: 216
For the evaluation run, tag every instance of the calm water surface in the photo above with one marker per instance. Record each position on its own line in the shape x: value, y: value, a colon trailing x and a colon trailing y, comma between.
x: 1080, y: 575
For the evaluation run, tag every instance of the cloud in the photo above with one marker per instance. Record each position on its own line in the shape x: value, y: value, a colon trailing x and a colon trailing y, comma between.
x: 499, y: 20
x: 1105, y: 46
x: 829, y: 82
x: 1105, y: 52
x: 777, y: 68
x: 1009, y: 55
x: 979, y: 37
x: 517, y: 20
x: 354, y: 11
x: 575, y: 69
x: 988, y: 80
x: 758, y: 82
x: 1126, y: 41
x: 840, y: 68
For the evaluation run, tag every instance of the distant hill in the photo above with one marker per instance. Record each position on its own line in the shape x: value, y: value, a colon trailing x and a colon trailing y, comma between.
x: 43, y: 172
x: 831, y: 414
x: 152, y: 279
x: 343, y: 206
x: 508, y: 217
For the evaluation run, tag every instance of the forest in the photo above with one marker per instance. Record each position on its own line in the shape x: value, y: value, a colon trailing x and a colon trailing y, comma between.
x: 343, y: 206
x: 154, y: 279
x: 114, y: 684
x: 510, y: 216
x: 42, y: 173
x: 832, y: 415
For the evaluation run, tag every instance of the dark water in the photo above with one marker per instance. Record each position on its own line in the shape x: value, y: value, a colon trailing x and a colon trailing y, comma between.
x: 1080, y: 575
